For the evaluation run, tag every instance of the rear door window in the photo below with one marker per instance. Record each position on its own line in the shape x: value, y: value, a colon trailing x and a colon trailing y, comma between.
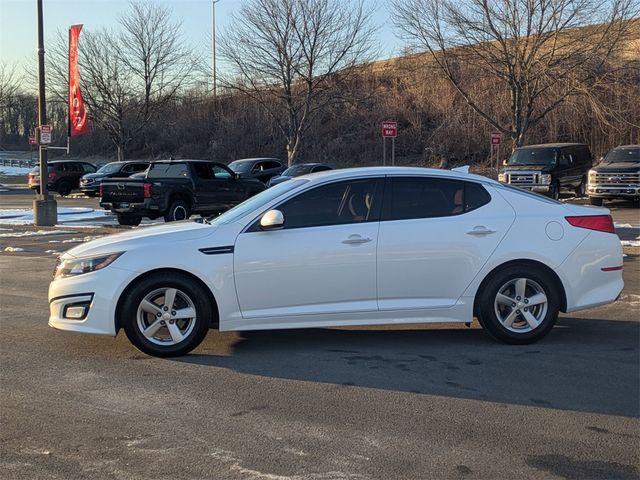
x: 409, y: 198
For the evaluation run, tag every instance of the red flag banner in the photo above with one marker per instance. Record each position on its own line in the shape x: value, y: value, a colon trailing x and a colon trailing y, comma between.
x: 77, y: 113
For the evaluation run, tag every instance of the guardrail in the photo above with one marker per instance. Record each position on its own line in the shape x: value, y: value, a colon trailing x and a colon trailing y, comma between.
x: 18, y: 163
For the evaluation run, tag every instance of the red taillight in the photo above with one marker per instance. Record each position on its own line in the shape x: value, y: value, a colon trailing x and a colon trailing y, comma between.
x: 146, y: 188
x: 52, y: 175
x: 101, y: 190
x: 601, y: 223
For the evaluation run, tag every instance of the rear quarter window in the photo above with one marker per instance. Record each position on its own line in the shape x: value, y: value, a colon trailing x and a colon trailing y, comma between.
x: 168, y: 170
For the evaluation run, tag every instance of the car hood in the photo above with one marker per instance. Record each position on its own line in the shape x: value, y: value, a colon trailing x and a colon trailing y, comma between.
x: 618, y: 167
x: 528, y: 168
x: 94, y: 176
x: 172, y: 233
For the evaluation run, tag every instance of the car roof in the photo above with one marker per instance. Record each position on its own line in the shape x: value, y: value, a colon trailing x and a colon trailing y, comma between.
x: 310, y: 164
x: 347, y: 173
x: 256, y: 159
x: 182, y: 160
x: 552, y: 145
x: 49, y: 162
x: 625, y: 147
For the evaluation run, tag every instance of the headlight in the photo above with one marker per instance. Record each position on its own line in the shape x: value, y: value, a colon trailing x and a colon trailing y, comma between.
x: 545, y: 178
x: 502, y: 177
x: 77, y: 266
x: 592, y: 176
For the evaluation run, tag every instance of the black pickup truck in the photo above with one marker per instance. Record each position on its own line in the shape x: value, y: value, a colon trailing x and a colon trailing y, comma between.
x: 174, y: 189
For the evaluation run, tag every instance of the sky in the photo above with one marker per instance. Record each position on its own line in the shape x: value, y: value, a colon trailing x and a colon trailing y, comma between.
x: 18, y: 27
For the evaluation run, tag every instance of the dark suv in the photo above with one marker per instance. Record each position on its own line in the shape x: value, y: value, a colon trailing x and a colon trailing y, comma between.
x: 90, y: 183
x: 550, y: 168
x: 63, y: 176
x: 617, y: 176
x: 261, y: 168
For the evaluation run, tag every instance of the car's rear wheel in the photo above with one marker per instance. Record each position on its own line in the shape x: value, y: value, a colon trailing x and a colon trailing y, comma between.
x: 596, y: 201
x: 166, y: 317
x: 128, y: 219
x: 554, y: 191
x: 64, y: 188
x: 519, y: 304
x: 178, y: 210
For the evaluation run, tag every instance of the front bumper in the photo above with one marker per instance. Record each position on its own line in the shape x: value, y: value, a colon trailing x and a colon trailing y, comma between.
x: 622, y: 191
x: 97, y: 292
x: 540, y: 188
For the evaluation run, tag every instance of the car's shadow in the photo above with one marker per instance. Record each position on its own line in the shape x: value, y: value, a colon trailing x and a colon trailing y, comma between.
x: 582, y: 365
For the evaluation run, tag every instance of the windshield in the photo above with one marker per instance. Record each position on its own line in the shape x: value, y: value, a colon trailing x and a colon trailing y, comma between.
x: 623, y: 155
x: 533, y: 156
x: 297, y: 170
x: 241, y: 166
x: 109, y: 168
x: 256, y: 202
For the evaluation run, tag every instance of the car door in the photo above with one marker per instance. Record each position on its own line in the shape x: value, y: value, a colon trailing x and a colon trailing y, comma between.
x: 435, y: 236
x: 233, y: 189
x: 211, y: 194
x: 324, y: 259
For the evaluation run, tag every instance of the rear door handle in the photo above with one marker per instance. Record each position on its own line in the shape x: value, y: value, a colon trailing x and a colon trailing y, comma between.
x: 355, y: 240
x: 480, y: 231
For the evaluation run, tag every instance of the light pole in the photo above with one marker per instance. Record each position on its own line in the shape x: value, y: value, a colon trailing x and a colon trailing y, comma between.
x: 213, y: 48
x: 45, y: 211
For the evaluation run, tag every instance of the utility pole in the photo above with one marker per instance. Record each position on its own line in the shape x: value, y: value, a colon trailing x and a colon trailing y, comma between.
x: 45, y: 212
x: 213, y: 48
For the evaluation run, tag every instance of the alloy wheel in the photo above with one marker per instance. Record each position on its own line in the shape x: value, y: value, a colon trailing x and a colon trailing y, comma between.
x: 166, y: 316
x: 521, y: 305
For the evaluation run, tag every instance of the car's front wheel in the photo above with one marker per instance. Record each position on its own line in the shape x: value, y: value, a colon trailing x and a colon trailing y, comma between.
x: 166, y: 317
x: 519, y: 304
x: 581, y: 190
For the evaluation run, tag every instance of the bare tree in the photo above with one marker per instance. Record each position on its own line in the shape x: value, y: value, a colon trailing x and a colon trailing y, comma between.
x: 292, y: 55
x: 542, y: 52
x: 129, y: 75
x: 9, y: 83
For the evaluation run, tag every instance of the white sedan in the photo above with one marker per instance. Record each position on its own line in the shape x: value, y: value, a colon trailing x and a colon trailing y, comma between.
x: 364, y: 246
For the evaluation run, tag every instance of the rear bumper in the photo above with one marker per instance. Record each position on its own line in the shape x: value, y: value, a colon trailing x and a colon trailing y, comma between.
x: 144, y: 208
x: 586, y: 284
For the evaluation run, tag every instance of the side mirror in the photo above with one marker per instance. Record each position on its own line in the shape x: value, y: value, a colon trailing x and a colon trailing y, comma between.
x: 272, y: 220
x: 236, y: 176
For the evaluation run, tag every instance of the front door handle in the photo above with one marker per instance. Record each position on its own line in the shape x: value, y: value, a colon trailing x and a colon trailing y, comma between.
x: 480, y: 231
x: 355, y: 240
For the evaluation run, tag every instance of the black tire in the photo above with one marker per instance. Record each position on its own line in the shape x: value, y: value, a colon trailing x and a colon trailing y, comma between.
x: 64, y: 188
x: 178, y: 210
x: 554, y: 191
x: 596, y: 201
x: 128, y: 219
x: 189, y: 294
x: 581, y: 190
x: 520, y: 331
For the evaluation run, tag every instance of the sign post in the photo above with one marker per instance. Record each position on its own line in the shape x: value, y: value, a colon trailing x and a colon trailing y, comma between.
x: 45, y: 209
x: 496, y: 140
x: 389, y: 130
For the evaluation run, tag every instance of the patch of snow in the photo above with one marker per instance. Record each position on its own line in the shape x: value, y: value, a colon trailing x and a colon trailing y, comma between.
x: 34, y: 234
x: 14, y: 249
x: 65, y: 215
x: 625, y: 225
x: 53, y: 252
x: 630, y: 243
x: 14, y: 171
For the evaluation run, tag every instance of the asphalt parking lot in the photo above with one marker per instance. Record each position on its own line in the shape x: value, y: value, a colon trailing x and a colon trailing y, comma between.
x: 379, y: 403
